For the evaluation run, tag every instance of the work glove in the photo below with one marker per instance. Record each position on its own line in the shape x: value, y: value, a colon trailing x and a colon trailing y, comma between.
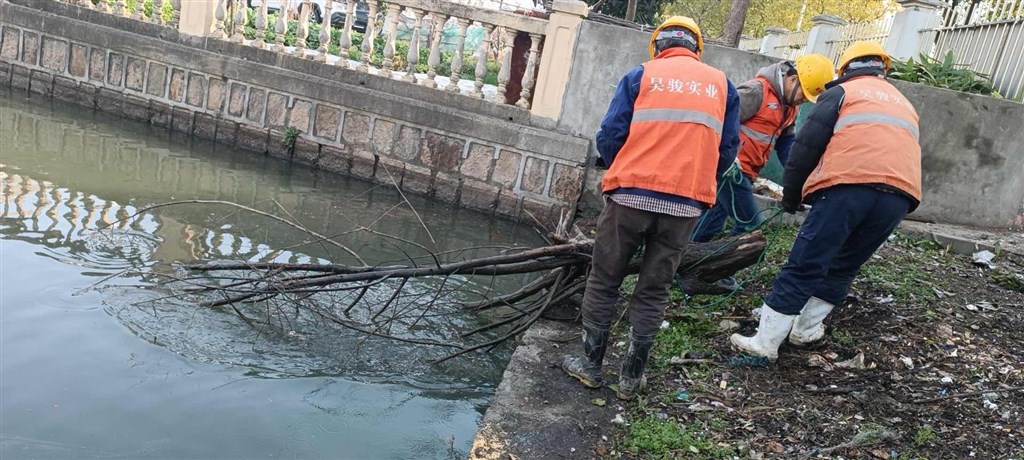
x: 790, y: 201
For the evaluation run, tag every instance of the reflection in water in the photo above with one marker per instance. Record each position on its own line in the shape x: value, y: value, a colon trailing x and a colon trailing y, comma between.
x: 66, y: 174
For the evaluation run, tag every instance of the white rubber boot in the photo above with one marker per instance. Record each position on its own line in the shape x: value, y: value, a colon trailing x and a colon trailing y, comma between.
x: 771, y: 331
x: 808, y: 327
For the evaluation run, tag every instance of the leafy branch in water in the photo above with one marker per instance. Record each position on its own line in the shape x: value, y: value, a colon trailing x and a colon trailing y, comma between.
x: 944, y: 73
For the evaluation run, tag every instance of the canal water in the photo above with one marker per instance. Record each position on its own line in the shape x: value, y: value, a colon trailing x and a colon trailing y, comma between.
x: 97, y: 362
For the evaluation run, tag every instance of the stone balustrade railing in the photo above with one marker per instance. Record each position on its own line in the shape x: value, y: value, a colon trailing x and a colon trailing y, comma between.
x: 167, y: 12
x: 424, y: 20
x: 487, y: 68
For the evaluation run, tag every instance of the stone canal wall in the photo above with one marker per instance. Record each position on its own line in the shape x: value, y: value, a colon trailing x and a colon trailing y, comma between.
x: 452, y: 147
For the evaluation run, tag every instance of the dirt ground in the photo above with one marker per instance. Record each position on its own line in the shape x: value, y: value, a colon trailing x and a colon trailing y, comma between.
x: 926, y: 360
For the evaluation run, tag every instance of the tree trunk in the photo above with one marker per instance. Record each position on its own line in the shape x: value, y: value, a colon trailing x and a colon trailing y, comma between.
x: 631, y: 10
x: 734, y: 25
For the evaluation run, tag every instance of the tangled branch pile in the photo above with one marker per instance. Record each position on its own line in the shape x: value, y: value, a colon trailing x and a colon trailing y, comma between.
x: 424, y: 300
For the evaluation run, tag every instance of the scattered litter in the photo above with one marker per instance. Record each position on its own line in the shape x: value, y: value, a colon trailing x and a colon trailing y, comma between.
x: 618, y: 420
x: 884, y: 300
x: 728, y: 325
x: 947, y: 380
x: 694, y: 449
x: 572, y: 450
x: 984, y: 259
x: 682, y: 396
x: 599, y: 402
x: 604, y: 438
x: 907, y: 362
x: 680, y: 360
x: 817, y: 360
x: 723, y: 384
x: 620, y: 344
x: 990, y: 405
x: 857, y: 362
x: 665, y: 324
x: 971, y: 307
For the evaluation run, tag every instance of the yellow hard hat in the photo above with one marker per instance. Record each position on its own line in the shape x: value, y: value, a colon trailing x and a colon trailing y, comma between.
x: 862, y: 49
x: 814, y: 71
x: 678, y: 21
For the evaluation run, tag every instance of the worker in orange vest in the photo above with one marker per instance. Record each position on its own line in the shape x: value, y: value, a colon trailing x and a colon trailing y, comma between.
x: 768, y: 109
x: 671, y: 131
x: 857, y: 160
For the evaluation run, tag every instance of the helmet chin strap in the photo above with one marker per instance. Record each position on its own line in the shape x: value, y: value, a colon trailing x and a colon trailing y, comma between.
x: 780, y: 75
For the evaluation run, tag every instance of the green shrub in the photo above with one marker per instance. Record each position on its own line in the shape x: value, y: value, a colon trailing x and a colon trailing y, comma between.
x: 944, y: 73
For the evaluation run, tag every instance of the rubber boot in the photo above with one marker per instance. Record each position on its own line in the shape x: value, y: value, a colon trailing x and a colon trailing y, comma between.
x: 631, y: 377
x: 808, y: 327
x: 587, y: 368
x: 771, y: 331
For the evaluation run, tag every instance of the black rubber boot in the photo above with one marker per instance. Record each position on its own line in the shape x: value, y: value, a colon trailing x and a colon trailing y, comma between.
x: 587, y: 368
x: 632, y: 379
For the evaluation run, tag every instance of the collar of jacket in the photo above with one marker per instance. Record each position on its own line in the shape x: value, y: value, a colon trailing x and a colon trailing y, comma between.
x: 855, y: 74
x: 676, y: 51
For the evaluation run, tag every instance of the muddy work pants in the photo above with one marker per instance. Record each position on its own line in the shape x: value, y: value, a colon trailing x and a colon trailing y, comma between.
x: 620, y: 231
x: 843, y: 229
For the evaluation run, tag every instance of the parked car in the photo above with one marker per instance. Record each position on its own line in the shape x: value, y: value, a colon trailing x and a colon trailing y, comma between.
x: 317, y: 15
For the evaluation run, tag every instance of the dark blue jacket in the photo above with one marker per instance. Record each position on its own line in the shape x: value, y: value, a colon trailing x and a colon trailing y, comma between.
x: 615, y: 129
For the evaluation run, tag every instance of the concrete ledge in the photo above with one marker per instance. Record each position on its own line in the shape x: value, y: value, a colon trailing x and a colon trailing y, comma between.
x: 538, y: 411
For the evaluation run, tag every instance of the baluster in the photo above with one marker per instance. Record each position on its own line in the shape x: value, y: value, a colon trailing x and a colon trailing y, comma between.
x: 531, y: 69
x: 119, y: 8
x: 413, y: 57
x: 87, y: 4
x: 325, y: 31
x: 435, y: 50
x: 481, y: 60
x: 175, y: 13
x: 261, y: 25
x: 505, y: 73
x: 220, y: 14
x: 394, y: 11
x: 366, y: 51
x: 346, y: 31
x: 302, y: 32
x: 281, y: 26
x: 138, y: 14
x: 241, y: 18
x: 103, y: 5
x: 457, y: 57
x: 157, y: 17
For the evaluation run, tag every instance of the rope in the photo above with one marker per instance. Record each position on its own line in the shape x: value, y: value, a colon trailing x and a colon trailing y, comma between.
x: 732, y: 176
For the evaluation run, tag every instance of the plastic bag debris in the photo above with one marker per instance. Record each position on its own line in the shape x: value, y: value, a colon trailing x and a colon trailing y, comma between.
x: 984, y: 259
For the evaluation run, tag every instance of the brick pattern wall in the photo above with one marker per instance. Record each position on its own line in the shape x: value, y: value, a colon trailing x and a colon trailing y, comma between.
x: 449, y: 166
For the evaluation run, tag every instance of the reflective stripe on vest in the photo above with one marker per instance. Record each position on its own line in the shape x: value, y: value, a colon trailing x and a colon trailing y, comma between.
x: 759, y: 132
x: 678, y: 115
x: 864, y: 118
x: 675, y: 131
x: 757, y: 135
x: 875, y: 140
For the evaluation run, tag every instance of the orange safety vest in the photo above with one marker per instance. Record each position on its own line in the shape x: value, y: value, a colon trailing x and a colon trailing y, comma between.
x: 875, y: 140
x: 676, y: 129
x: 759, y: 133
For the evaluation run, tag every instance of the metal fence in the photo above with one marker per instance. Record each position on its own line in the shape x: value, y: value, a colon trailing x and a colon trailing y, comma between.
x: 875, y: 31
x: 987, y: 37
x: 750, y: 44
x: 791, y: 45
